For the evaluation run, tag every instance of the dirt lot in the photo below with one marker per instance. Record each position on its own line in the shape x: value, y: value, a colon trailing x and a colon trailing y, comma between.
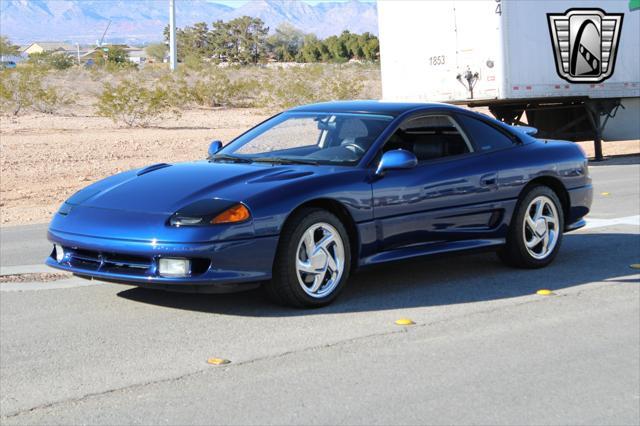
x: 44, y: 158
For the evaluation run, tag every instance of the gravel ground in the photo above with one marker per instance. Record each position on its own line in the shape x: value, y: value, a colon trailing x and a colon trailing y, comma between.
x: 33, y: 278
x: 45, y: 158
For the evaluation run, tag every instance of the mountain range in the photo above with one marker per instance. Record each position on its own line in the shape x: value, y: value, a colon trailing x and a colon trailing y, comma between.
x: 140, y: 21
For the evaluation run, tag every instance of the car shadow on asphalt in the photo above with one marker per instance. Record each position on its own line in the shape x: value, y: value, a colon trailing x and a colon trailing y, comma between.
x: 423, y: 282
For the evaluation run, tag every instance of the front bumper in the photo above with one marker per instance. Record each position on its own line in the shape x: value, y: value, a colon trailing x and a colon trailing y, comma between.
x: 580, y: 200
x: 220, y: 264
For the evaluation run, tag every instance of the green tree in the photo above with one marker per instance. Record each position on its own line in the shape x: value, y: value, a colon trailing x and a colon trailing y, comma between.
x: 285, y: 43
x: 192, y: 41
x: 6, y: 47
x: 370, y: 46
x: 157, y: 51
x: 351, y: 43
x: 116, y: 54
x: 200, y: 39
x: 310, y: 51
x: 245, y: 40
x: 337, y: 49
x: 241, y: 40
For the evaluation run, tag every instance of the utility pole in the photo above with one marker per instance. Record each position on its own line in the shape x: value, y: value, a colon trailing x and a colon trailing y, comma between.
x: 172, y: 35
x: 78, y: 47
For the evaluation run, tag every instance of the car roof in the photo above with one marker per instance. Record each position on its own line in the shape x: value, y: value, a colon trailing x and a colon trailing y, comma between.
x: 371, y: 107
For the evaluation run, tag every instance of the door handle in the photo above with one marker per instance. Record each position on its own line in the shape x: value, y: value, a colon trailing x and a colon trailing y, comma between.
x: 490, y: 179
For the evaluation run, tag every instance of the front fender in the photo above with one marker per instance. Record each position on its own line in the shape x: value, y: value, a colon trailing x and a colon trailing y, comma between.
x: 349, y: 188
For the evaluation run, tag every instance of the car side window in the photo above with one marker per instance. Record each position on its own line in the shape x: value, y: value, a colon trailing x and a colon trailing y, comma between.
x: 430, y: 137
x: 485, y: 136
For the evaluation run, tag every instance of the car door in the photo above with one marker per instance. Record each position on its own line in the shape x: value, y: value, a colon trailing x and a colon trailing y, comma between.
x: 450, y: 195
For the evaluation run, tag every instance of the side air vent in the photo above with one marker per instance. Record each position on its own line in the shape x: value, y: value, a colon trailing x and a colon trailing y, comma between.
x: 152, y: 168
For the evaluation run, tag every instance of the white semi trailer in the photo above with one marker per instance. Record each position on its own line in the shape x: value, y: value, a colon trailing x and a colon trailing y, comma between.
x: 500, y: 54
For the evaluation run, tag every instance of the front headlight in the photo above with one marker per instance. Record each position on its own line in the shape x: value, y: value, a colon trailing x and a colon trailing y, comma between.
x: 210, y: 212
x: 185, y: 221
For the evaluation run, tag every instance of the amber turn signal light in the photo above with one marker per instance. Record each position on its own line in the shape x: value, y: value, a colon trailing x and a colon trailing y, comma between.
x: 237, y: 213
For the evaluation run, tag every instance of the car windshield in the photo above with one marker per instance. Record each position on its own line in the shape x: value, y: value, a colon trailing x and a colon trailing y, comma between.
x: 307, y: 138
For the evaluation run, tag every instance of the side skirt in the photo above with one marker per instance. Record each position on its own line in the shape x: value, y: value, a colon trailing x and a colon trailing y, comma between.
x: 440, y: 247
x: 575, y: 225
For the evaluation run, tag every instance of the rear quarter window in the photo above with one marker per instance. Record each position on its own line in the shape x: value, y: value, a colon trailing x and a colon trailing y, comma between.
x: 486, y: 137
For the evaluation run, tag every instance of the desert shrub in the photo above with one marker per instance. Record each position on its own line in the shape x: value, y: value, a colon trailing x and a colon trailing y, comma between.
x: 193, y: 62
x: 341, y: 87
x: 50, y: 99
x: 157, y: 51
x: 118, y: 67
x: 112, y: 60
x: 295, y: 86
x: 287, y: 93
x: 178, y: 91
x: 246, y: 93
x: 23, y: 89
x: 51, y: 60
x: 135, y: 105
x: 214, y: 88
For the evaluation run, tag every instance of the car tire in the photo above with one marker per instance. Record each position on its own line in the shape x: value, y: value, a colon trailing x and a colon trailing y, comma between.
x: 312, y: 262
x: 535, y: 232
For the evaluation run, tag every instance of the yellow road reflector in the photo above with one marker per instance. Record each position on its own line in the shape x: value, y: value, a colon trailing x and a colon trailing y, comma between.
x: 218, y: 361
x: 604, y: 193
x: 635, y: 266
x: 544, y: 292
x: 404, y: 321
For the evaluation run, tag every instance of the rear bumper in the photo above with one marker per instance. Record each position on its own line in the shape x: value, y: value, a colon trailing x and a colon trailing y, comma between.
x: 222, y: 264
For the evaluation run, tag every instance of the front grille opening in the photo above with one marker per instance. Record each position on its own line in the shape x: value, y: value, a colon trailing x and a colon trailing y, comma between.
x: 122, y: 263
x: 85, y: 257
x: 118, y: 263
x: 127, y: 260
x: 200, y: 266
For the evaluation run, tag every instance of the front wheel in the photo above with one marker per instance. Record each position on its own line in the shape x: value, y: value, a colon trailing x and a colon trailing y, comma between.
x: 313, y: 260
x: 535, y: 234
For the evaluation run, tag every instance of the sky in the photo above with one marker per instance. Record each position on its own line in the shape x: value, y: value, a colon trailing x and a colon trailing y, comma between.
x: 238, y: 3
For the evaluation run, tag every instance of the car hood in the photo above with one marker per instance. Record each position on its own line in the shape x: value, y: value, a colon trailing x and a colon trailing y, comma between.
x: 165, y: 188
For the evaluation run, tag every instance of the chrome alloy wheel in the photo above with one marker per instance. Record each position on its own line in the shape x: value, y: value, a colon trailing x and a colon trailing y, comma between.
x: 320, y: 259
x: 540, y: 228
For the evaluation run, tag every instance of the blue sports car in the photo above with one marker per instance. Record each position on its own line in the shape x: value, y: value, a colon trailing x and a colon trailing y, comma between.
x: 300, y: 201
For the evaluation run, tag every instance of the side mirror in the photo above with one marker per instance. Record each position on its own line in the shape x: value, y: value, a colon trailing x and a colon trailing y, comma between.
x: 214, y: 148
x: 396, y: 159
x: 531, y: 131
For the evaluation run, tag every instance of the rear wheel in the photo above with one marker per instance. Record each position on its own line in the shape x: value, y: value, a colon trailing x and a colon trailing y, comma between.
x: 535, y: 234
x: 313, y: 260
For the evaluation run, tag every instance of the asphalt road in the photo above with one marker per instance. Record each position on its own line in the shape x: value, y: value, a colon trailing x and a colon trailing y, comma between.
x: 485, y: 350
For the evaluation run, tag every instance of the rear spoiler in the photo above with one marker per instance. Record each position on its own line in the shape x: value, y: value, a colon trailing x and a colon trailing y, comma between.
x: 531, y: 131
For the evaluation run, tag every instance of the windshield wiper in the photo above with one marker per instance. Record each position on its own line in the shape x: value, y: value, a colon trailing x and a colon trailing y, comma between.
x: 280, y: 160
x: 232, y: 158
